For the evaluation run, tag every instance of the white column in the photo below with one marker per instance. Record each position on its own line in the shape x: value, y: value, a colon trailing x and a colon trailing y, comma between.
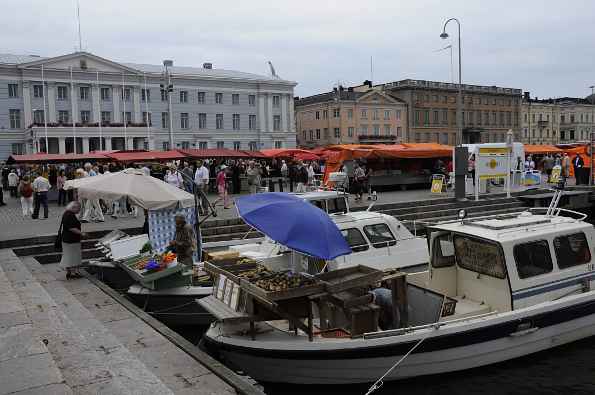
x: 108, y: 143
x: 61, y: 145
x: 136, y: 116
x: 85, y: 145
x: 28, y: 116
x: 262, y: 120
x: 96, y: 96
x: 117, y: 98
x: 291, y: 126
x: 283, y: 104
x: 74, y: 103
x: 269, y: 113
x: 129, y: 143
x: 51, y: 100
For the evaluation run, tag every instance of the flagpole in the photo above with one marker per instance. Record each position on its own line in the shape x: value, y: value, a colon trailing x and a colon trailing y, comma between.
x: 100, y: 130
x: 45, y: 118
x: 124, y: 115
x: 72, y: 98
x: 147, y: 113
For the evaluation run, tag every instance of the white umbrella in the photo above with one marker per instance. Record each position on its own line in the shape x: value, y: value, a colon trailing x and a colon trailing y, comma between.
x: 144, y: 191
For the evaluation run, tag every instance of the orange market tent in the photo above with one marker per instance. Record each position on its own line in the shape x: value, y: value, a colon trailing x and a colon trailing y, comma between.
x: 541, y: 149
x: 283, y: 152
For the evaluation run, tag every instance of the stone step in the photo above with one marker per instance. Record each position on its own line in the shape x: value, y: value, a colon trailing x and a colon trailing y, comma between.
x: 26, y: 365
x: 39, y: 249
x: 486, y: 209
x: 422, y: 207
x: 91, y: 359
x: 54, y: 257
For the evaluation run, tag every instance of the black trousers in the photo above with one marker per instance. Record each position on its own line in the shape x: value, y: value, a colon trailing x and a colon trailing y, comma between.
x: 41, y: 199
x: 61, y: 197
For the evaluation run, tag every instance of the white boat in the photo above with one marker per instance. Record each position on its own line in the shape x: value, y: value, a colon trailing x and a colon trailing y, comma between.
x: 522, y: 284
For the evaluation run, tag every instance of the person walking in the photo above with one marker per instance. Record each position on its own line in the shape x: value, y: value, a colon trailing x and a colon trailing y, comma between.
x: 60, y: 180
x: 235, y: 177
x: 93, y: 210
x: 41, y: 186
x: 13, y: 183
x: 251, y: 174
x: 566, y: 165
x: 26, y: 192
x: 284, y: 171
x: 359, y: 177
x: 173, y: 178
x: 302, y: 178
x: 201, y: 179
x: 222, y: 187
x: 70, y: 228
x: 310, y: 170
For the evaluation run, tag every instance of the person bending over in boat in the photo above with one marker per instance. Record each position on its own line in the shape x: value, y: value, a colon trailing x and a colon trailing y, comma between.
x: 389, y: 317
x: 185, y: 241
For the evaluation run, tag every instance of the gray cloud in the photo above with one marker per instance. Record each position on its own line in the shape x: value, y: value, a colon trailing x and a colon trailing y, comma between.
x: 541, y: 46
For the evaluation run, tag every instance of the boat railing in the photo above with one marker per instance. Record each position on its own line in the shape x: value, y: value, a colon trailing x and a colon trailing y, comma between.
x: 435, y: 325
x: 557, y: 211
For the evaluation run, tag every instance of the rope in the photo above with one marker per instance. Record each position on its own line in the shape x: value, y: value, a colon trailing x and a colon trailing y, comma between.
x: 379, y: 383
x: 171, y: 308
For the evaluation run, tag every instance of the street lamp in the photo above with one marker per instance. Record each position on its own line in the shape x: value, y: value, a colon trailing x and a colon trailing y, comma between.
x: 461, y: 154
x: 169, y: 89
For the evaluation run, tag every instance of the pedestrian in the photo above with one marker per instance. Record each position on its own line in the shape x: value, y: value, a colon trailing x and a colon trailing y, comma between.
x: 184, y: 241
x: 13, y: 183
x: 578, y: 167
x: 251, y: 174
x: 93, y: 210
x: 222, y: 187
x: 26, y: 192
x: 41, y: 186
x: 188, y: 176
x: 310, y: 169
x: 359, y: 177
x: 71, y: 234
x: 173, y: 178
x: 201, y: 179
x: 284, y: 171
x: 471, y: 167
x: 60, y: 180
x: 235, y: 178
x: 566, y: 165
x: 302, y: 178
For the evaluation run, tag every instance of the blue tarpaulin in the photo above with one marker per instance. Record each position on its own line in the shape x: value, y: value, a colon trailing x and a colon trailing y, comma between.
x: 295, y: 223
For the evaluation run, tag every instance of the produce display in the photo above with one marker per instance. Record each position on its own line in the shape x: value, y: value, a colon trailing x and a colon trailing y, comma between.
x: 254, y: 275
x: 156, y: 262
x: 146, y: 248
x: 283, y: 281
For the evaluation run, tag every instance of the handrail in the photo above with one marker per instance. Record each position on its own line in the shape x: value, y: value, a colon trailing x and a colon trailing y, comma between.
x: 557, y: 211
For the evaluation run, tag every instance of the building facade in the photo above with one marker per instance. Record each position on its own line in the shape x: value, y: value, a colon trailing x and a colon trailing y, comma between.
x: 577, y: 120
x: 87, y: 97
x: 346, y: 116
x: 488, y: 112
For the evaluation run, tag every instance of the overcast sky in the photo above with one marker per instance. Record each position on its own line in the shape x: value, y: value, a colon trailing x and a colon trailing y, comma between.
x: 546, y: 47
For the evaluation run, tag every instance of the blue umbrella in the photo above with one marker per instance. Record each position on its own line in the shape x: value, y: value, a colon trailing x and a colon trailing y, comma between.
x: 294, y: 223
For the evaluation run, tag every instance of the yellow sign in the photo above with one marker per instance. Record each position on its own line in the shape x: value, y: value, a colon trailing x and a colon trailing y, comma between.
x: 437, y: 184
x: 493, y: 151
x: 555, y: 176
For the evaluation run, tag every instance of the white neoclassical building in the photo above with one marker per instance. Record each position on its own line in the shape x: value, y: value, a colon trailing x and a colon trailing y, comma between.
x: 80, y: 99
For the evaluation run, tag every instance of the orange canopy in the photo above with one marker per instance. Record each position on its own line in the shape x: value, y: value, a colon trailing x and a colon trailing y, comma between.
x: 542, y: 149
x: 283, y: 152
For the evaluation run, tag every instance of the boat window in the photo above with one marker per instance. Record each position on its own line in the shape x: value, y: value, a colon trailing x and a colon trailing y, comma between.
x: 319, y: 203
x: 572, y: 250
x: 380, y: 235
x: 443, y: 251
x: 355, y: 239
x: 337, y: 205
x: 479, y: 256
x: 532, y: 259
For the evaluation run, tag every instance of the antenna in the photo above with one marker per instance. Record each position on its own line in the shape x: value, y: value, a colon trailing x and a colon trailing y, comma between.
x: 78, y: 19
x: 371, y: 70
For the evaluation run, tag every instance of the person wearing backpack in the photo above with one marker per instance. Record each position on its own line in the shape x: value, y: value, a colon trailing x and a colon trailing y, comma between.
x: 26, y: 192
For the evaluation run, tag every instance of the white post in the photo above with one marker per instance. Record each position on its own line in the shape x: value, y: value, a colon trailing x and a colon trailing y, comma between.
x: 147, y: 113
x: 476, y: 156
x: 72, y: 98
x: 124, y: 114
x: 45, y: 115
x: 510, y: 146
x: 99, y: 123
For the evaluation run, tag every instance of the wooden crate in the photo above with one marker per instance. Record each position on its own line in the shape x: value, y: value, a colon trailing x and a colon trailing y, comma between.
x: 229, y: 271
x: 350, y: 277
x: 282, y: 295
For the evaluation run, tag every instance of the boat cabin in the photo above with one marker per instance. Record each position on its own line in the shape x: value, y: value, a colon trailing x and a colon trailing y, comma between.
x: 331, y: 202
x: 506, y: 263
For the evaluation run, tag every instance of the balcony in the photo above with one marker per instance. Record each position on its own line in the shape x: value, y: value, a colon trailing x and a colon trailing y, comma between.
x: 542, y: 124
x: 372, y: 139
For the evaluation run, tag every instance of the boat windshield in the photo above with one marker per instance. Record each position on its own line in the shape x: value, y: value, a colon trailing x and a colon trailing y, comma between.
x: 480, y: 256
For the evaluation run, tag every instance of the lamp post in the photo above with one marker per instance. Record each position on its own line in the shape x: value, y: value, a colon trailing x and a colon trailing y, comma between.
x: 169, y: 88
x: 461, y: 153
x: 592, y: 134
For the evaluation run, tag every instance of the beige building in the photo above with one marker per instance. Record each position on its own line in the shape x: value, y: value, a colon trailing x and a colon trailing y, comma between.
x: 346, y: 116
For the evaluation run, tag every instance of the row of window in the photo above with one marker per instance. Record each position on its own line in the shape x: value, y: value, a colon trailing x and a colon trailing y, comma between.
x: 443, y: 138
x: 584, y: 118
x: 487, y: 118
x: 541, y: 134
x: 106, y: 94
x: 363, y: 115
x: 237, y: 145
x: 466, y: 99
x: 312, y: 134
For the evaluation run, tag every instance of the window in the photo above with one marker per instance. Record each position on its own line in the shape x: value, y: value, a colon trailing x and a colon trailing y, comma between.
x: 252, y: 100
x: 337, y: 132
x: 106, y: 117
x: 379, y: 235
x: 350, y: 131
x: 185, y: 144
x: 219, y: 98
x: 445, y: 117
x: 417, y: 117
x: 364, y: 129
x: 276, y: 101
x: 486, y: 117
x: 325, y: 114
x: 84, y: 92
x: 533, y: 258
x: 276, y: 122
x: 435, y: 98
x: 13, y: 90
x: 18, y: 148
x: 237, y: 145
x: 165, y: 145
x: 386, y: 114
x: 62, y: 93
x: 203, y: 145
x: 164, y: 120
x: 127, y: 117
x: 126, y: 94
x: 399, y: 131
x: 278, y: 144
x: 38, y: 116
x: 317, y: 134
x: 317, y: 115
x: 375, y: 115
x: 364, y: 113
x: 147, y: 118
x: 350, y: 114
x: 183, y: 96
x: 479, y: 256
x: 571, y: 118
x: 304, y: 133
x: 252, y: 146
x: 235, y: 99
x: 201, y: 98
x: 355, y: 239
x: 236, y: 121
x: 336, y: 113
x: 105, y: 94
x: 163, y: 95
x: 184, y: 120
x: 572, y: 250
x: 219, y: 121
x: 311, y: 135
x: 252, y: 122
x: 85, y: 117
x: 526, y: 118
x: 220, y: 144
x: 376, y: 130
x: 37, y: 90
x: 387, y: 130
x: 436, y: 117
x: 325, y: 130
x: 62, y: 116
x: 426, y: 117
x: 145, y: 95
x: 202, y: 120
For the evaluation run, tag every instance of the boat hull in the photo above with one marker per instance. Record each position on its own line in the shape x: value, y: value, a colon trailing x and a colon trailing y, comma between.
x: 444, y: 350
